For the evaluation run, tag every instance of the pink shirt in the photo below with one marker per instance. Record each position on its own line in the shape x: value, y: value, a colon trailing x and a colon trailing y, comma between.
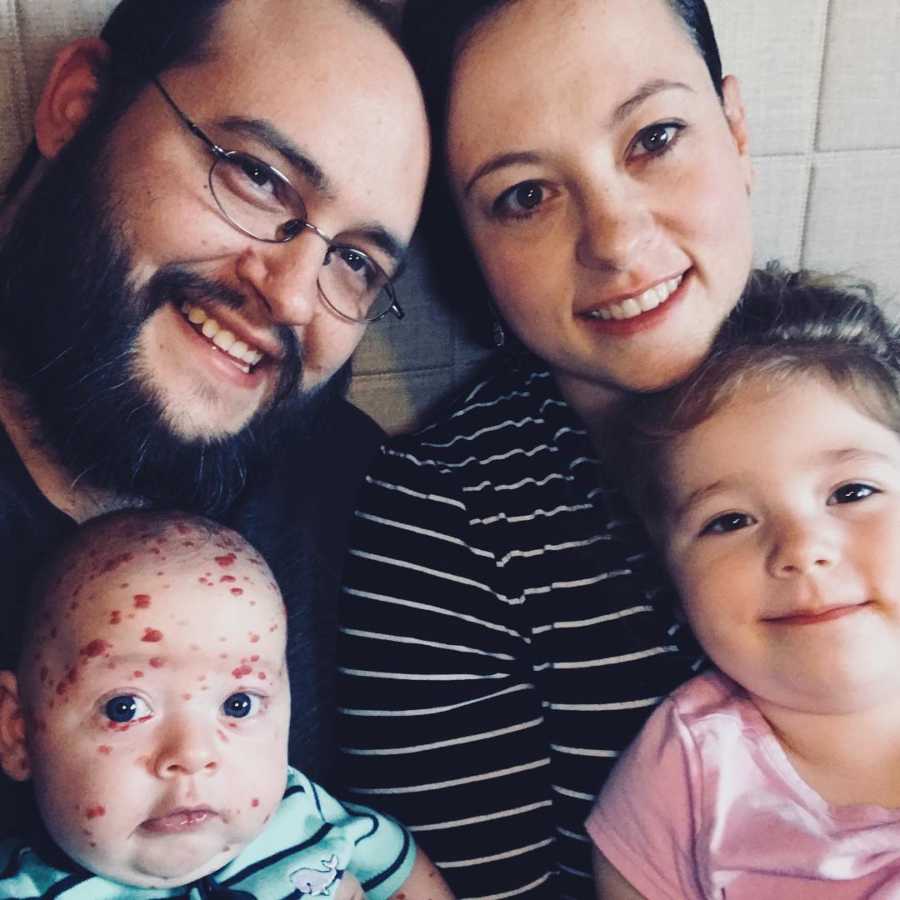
x: 705, y: 804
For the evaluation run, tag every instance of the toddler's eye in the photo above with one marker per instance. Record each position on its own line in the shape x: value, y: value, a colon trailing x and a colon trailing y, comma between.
x: 125, y: 708
x: 852, y: 493
x: 240, y: 705
x: 732, y: 521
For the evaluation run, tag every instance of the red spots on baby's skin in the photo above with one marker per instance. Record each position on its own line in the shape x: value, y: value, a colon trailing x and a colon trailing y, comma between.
x: 94, y: 812
x: 152, y: 636
x: 241, y: 671
x: 104, y: 749
x: 262, y: 676
x: 227, y: 579
x: 142, y: 601
x: 185, y: 696
x: 254, y: 658
x: 254, y: 637
x: 114, y: 562
x: 237, y: 592
x: 229, y: 559
x: 137, y: 674
x: 45, y: 673
x: 222, y: 736
x: 95, y: 648
x: 254, y: 802
x: 115, y: 617
x: 157, y: 662
x: 181, y: 528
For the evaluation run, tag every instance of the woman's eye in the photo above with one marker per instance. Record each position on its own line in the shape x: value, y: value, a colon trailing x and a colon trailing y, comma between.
x: 520, y: 201
x: 125, y: 708
x: 723, y: 524
x: 852, y: 493
x: 655, y: 139
x: 240, y: 705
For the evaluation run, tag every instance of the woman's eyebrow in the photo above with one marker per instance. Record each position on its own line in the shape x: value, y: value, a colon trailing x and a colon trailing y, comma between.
x: 647, y: 90
x: 499, y: 162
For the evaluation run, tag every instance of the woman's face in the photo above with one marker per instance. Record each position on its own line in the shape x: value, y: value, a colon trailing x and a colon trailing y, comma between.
x: 604, y: 187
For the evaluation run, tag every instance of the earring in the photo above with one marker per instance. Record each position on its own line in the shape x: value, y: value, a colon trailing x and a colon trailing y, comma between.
x: 498, y: 335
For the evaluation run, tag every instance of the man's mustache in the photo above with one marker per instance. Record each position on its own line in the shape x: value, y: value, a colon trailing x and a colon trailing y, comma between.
x: 177, y: 285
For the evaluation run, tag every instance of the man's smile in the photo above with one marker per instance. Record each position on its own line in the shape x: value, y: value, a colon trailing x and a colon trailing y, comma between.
x: 245, y: 356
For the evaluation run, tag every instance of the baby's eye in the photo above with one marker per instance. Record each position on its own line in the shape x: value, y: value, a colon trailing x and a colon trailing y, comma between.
x: 732, y: 521
x: 240, y: 705
x: 125, y: 708
x: 852, y: 493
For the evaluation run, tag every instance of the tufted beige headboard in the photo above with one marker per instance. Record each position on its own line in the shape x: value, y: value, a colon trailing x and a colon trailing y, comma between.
x: 821, y: 82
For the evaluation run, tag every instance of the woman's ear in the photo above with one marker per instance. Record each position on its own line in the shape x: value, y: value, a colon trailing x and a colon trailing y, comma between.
x: 736, y: 116
x: 14, y: 757
x: 69, y: 94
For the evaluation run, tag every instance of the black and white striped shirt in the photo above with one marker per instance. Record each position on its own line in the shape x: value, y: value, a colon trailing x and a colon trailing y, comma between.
x: 505, y: 634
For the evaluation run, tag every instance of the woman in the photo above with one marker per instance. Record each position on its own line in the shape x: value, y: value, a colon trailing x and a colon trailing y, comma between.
x: 501, y: 639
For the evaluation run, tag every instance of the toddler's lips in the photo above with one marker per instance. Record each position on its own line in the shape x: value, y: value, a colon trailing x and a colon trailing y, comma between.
x: 180, y: 820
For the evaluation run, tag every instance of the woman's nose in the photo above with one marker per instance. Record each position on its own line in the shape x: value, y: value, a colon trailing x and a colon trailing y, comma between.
x: 617, y: 227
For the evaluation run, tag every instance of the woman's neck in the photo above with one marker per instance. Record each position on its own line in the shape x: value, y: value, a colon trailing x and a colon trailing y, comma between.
x: 592, y: 402
x: 847, y: 758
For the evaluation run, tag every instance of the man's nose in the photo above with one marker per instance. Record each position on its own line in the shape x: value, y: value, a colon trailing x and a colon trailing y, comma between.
x: 616, y: 228
x: 188, y: 748
x: 285, y: 277
x: 801, y: 547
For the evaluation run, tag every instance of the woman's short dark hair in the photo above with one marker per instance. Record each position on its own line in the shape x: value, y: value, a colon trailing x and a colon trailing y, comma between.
x: 786, y: 325
x: 434, y: 33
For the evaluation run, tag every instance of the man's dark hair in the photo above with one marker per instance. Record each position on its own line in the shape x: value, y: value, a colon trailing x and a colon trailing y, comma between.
x: 434, y: 34
x: 148, y: 37
x: 787, y: 325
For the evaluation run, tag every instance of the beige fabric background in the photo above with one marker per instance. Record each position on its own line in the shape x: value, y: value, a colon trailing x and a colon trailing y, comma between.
x: 821, y: 81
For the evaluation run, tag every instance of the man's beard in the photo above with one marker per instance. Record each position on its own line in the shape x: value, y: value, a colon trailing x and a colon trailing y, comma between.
x: 69, y: 337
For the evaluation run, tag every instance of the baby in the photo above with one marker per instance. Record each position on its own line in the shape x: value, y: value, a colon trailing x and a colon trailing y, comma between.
x: 150, y: 708
x: 772, y: 481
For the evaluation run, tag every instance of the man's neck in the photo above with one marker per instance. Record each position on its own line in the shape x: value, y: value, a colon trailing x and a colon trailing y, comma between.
x: 63, y: 488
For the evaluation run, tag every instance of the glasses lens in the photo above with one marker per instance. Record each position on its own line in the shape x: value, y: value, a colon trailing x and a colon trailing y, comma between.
x: 355, y: 285
x: 254, y: 196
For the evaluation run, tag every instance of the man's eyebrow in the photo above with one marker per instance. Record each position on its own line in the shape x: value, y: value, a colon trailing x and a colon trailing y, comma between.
x: 622, y: 111
x: 265, y: 133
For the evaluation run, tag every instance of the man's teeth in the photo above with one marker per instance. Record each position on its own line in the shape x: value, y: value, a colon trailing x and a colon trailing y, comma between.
x: 221, y: 337
x: 634, y: 306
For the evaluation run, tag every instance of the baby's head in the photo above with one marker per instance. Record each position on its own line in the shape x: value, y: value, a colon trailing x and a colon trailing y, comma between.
x: 771, y: 478
x: 151, y: 702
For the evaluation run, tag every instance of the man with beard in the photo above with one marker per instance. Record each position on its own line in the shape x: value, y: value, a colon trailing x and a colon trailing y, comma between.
x: 217, y: 200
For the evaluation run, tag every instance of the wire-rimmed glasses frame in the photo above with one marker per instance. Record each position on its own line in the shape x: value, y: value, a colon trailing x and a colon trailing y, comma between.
x: 356, y: 275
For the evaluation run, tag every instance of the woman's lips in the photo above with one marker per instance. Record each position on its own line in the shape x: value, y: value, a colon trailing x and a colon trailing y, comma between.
x: 179, y: 820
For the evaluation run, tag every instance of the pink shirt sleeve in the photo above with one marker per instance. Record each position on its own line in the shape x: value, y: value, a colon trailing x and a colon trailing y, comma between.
x: 644, y: 819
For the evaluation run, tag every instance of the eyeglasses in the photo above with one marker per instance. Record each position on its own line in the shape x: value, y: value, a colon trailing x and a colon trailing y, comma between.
x: 257, y: 200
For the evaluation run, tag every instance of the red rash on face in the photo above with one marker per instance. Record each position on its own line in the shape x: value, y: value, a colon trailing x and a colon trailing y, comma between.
x: 254, y: 658
x: 152, y: 636
x: 137, y: 674
x: 95, y: 811
x: 241, y: 671
x: 185, y: 696
x: 228, y: 559
x: 254, y: 802
x: 227, y: 579
x: 254, y: 638
x: 95, y: 648
x: 157, y: 662
x: 116, y: 561
x: 105, y: 749
x: 45, y: 672
x: 141, y: 601
x: 262, y: 676
x: 222, y: 735
x: 115, y: 617
x: 237, y: 592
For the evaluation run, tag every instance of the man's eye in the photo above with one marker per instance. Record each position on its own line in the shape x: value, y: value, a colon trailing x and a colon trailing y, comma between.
x: 125, y: 708
x: 656, y: 139
x: 732, y: 521
x: 257, y: 172
x: 240, y: 705
x: 852, y: 493
x: 520, y: 201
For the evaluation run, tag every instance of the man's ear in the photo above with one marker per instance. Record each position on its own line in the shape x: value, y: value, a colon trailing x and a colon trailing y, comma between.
x: 14, y: 757
x: 736, y: 116
x: 69, y: 94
